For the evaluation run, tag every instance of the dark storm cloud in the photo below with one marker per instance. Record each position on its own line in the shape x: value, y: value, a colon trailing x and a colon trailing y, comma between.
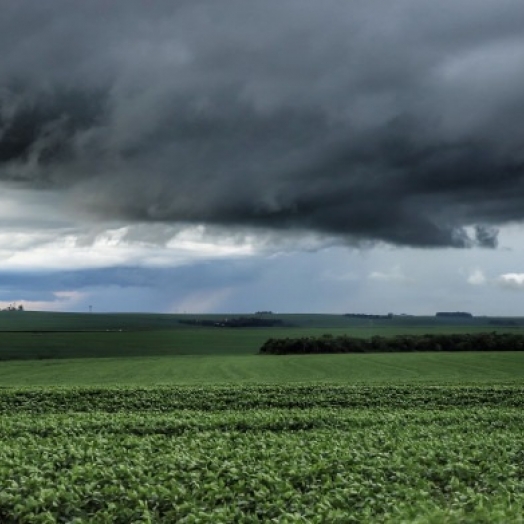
x: 398, y: 121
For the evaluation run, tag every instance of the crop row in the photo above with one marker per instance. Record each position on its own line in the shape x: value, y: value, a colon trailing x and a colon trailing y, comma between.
x: 275, y: 420
x: 219, y: 398
x: 338, y: 465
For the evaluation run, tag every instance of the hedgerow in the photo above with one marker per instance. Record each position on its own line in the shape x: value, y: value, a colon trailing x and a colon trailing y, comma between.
x: 400, y: 343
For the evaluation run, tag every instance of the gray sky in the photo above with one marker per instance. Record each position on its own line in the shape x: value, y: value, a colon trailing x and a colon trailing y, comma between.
x: 288, y: 155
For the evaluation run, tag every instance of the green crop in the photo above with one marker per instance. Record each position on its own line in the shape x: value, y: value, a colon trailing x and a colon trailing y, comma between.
x: 262, y: 454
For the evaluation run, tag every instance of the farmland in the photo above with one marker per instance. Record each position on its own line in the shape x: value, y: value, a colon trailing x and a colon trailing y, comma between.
x: 174, y: 423
x: 257, y: 453
x: 32, y: 335
x: 433, y: 368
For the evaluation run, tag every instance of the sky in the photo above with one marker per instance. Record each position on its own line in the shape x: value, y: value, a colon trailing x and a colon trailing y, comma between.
x: 238, y: 156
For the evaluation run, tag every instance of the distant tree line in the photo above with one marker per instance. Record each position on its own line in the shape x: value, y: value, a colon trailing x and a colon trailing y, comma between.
x: 389, y: 316
x: 13, y: 307
x: 402, y: 343
x: 503, y: 322
x: 238, y: 322
x: 454, y: 314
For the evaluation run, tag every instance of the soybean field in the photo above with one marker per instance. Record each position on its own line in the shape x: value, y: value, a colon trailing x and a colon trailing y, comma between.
x: 263, y: 454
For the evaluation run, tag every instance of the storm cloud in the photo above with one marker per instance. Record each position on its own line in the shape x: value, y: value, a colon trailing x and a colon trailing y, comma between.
x: 367, y: 121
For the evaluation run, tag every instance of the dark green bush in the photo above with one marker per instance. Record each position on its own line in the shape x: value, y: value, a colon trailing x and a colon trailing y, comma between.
x: 402, y: 343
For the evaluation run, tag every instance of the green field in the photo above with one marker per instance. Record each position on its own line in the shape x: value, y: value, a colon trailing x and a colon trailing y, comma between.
x: 31, y: 335
x: 436, y: 368
x: 41, y: 321
x: 182, y: 341
x: 138, y: 418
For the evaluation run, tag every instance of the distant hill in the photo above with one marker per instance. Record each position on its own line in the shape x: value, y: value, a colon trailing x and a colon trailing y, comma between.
x: 36, y: 321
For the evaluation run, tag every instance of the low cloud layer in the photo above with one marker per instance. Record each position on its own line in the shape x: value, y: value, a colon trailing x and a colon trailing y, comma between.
x: 398, y: 122
x: 511, y: 281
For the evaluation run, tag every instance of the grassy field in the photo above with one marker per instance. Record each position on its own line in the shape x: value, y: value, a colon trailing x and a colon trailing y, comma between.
x: 435, y: 368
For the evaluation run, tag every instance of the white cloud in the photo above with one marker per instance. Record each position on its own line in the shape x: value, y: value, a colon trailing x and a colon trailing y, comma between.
x: 195, y: 240
x: 511, y: 281
x: 63, y: 301
x: 77, y: 249
x: 477, y: 278
x: 395, y: 274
